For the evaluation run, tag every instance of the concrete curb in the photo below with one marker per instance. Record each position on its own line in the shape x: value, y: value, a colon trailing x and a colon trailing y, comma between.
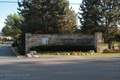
x: 18, y: 55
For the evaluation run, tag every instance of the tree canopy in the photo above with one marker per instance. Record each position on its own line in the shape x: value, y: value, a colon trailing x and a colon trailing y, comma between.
x: 90, y: 15
x: 100, y: 15
x: 12, y: 25
x: 47, y: 16
x: 99, y: 12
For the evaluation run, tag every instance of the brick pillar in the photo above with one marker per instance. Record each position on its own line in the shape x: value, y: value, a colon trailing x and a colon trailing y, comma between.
x: 27, y: 42
x: 98, y: 42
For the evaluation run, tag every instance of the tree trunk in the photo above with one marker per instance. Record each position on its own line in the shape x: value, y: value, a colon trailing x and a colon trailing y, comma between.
x: 109, y: 45
x: 109, y: 41
x: 113, y: 46
x: 108, y: 32
x: 22, y: 44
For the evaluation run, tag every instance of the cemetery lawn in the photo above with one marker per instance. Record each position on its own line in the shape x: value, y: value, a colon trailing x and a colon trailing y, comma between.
x: 97, y: 55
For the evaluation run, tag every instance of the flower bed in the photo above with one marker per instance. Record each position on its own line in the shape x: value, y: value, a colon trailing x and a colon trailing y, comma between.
x: 62, y: 48
x: 91, y: 52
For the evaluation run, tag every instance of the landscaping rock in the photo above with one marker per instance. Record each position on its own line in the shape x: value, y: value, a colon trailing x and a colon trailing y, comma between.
x: 83, y: 54
x: 75, y: 54
x: 35, y: 56
x: 87, y: 53
x: 68, y: 53
x: 92, y: 51
x: 31, y: 53
x: 58, y: 54
x: 28, y: 55
x: 34, y: 52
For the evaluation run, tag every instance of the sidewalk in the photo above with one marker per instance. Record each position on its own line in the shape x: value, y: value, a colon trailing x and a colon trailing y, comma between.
x: 15, y: 52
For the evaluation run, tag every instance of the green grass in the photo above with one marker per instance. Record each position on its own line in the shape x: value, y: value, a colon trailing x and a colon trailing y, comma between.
x: 116, y: 45
x: 3, y: 43
x: 103, y: 55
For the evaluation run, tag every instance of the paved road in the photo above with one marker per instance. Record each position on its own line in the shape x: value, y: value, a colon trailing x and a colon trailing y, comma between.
x: 9, y: 43
x: 60, y: 68
x: 6, y: 51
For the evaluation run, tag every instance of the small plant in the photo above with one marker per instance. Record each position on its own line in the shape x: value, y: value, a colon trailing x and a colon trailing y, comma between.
x: 111, y: 50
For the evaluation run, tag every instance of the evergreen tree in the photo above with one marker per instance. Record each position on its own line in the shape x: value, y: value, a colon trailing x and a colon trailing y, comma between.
x: 69, y: 25
x: 90, y: 15
x: 110, y: 12
x: 44, y: 16
x: 97, y: 13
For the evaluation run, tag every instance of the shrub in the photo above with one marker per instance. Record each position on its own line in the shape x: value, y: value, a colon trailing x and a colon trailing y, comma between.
x: 55, y: 48
x: 13, y: 45
x: 3, y: 42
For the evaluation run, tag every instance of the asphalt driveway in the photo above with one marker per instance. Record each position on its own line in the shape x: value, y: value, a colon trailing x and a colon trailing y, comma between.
x: 6, y: 51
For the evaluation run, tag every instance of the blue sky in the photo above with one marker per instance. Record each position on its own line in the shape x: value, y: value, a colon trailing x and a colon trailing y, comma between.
x: 11, y: 8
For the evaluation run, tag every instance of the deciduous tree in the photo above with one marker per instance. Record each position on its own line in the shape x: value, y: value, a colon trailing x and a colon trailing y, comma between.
x: 12, y: 25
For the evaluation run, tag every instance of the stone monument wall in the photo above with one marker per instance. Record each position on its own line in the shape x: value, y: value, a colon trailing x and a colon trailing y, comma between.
x: 61, y: 39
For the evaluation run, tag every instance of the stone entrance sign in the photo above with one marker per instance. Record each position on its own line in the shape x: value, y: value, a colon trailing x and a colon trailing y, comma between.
x: 77, y: 41
x: 44, y: 40
x: 62, y: 39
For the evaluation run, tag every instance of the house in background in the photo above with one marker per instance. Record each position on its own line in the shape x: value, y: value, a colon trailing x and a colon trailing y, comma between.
x: 6, y: 37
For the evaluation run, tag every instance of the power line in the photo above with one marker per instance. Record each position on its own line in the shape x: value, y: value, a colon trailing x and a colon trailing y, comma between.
x: 17, y: 2
x: 8, y: 2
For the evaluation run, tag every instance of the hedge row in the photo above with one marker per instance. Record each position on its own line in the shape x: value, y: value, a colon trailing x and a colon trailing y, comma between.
x: 53, y: 48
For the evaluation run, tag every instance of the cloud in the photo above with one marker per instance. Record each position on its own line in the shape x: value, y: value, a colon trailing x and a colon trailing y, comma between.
x: 2, y: 20
x: 1, y: 26
x: 2, y: 23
